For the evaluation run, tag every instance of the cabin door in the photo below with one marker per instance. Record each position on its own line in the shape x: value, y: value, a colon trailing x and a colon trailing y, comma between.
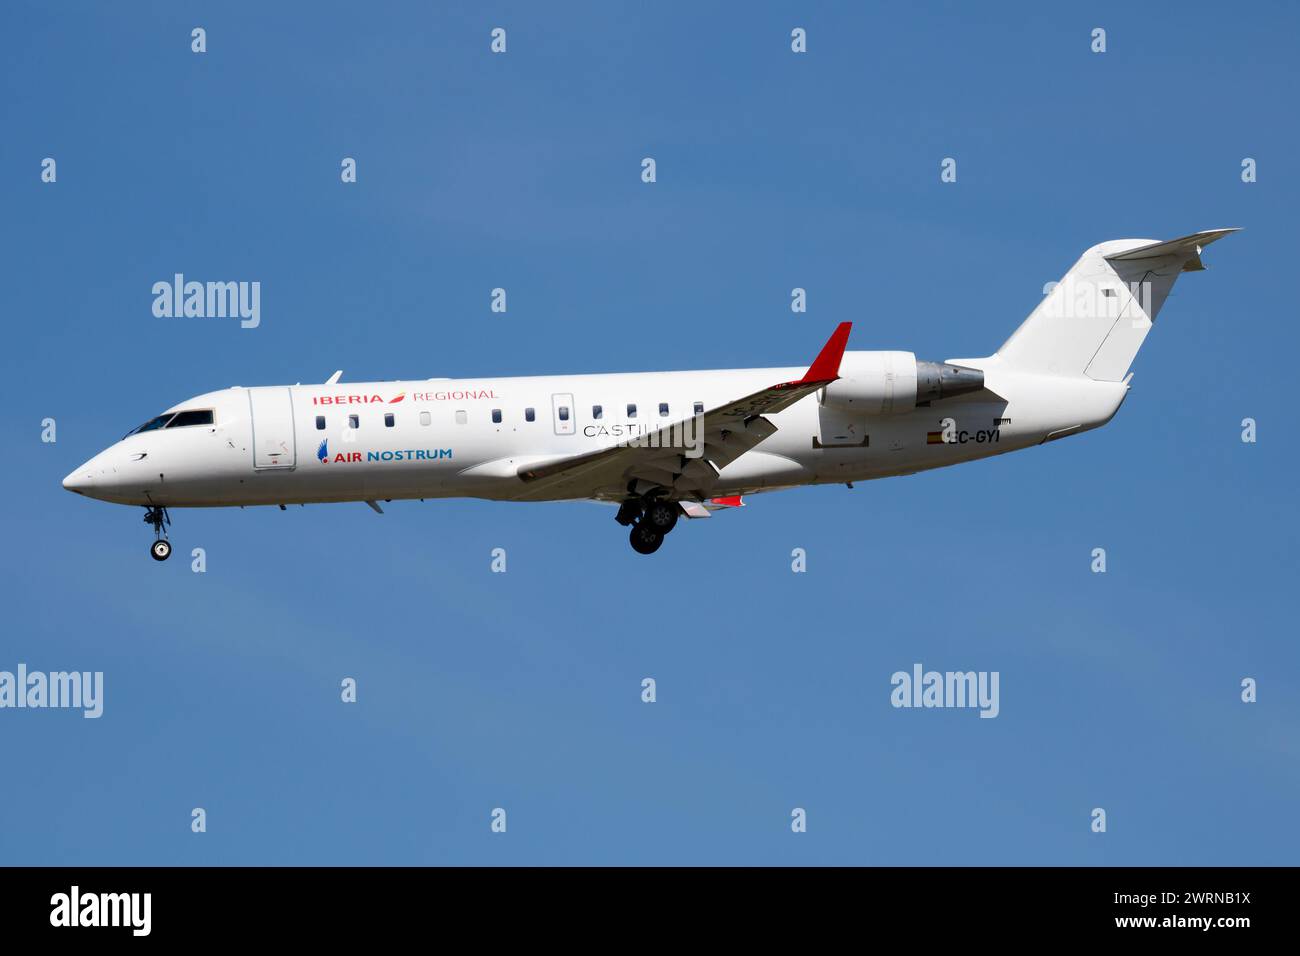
x: 274, y: 445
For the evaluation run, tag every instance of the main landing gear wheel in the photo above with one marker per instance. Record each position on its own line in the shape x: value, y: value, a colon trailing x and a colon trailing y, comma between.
x: 645, y: 539
x: 661, y: 516
x: 161, y: 549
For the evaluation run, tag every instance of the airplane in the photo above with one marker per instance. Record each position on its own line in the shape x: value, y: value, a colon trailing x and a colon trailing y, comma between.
x: 659, y: 445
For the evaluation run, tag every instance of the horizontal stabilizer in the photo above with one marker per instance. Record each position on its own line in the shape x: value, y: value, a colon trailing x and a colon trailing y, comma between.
x: 1187, y: 248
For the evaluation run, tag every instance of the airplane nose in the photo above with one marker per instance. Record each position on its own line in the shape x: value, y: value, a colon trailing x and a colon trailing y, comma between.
x: 80, y: 479
x: 104, y: 478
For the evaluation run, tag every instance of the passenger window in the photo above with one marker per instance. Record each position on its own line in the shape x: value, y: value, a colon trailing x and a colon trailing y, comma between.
x: 182, y: 419
x: 564, y: 413
x: 631, y: 411
x: 425, y: 418
x: 320, y: 423
x: 699, y: 408
x: 597, y: 411
x: 496, y: 416
x: 529, y: 415
x: 461, y: 416
x: 389, y: 420
x: 663, y: 409
x: 354, y: 422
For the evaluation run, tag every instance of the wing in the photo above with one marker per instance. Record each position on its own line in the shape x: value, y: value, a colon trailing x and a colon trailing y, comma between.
x: 687, y: 455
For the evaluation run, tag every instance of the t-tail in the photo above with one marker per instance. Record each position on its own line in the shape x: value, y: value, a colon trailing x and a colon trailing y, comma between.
x: 1096, y: 318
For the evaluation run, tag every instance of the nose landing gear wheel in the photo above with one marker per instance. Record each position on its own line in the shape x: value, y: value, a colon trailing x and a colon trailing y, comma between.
x: 645, y: 539
x: 161, y: 549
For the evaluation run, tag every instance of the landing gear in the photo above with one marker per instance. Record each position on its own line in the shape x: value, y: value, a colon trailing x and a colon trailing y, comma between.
x: 650, y: 520
x: 629, y: 511
x: 645, y: 539
x: 161, y: 549
x: 661, y: 515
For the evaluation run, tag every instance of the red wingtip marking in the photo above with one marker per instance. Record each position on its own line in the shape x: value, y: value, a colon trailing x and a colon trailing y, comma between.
x: 826, y: 367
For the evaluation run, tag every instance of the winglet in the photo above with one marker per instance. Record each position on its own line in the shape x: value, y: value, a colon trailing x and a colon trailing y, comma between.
x: 826, y: 366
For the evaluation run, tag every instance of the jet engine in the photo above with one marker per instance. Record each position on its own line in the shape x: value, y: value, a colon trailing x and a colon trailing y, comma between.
x: 891, y: 383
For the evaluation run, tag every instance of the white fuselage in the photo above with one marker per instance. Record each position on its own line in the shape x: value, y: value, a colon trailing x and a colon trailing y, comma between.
x: 336, y: 442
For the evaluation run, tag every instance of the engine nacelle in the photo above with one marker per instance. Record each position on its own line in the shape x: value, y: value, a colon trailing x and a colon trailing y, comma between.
x: 891, y: 383
x: 874, y: 383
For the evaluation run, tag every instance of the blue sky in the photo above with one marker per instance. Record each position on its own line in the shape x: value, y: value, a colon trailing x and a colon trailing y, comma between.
x: 522, y: 690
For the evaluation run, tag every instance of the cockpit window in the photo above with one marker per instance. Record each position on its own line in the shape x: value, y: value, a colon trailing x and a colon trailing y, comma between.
x: 195, y: 417
x: 152, y: 423
x: 175, y: 420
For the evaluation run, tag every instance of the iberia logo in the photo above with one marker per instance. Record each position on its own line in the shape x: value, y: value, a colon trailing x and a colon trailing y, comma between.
x: 372, y: 399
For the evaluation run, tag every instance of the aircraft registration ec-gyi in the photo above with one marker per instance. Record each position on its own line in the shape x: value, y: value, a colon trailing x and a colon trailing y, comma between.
x: 660, y: 445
